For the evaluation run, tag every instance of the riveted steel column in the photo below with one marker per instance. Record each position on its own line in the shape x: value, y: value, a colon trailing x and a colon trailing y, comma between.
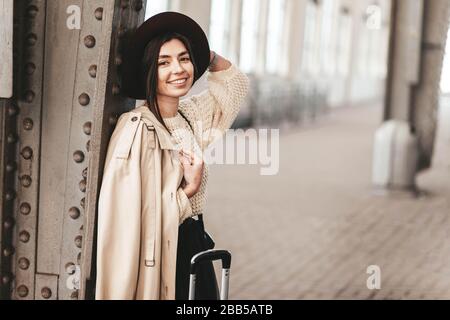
x: 90, y: 44
x: 65, y: 104
x: 29, y: 128
x: 20, y: 153
x: 7, y: 185
x: 5, y: 265
x: 118, y: 17
x: 61, y: 54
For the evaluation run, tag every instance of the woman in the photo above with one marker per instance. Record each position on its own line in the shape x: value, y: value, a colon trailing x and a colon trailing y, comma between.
x: 155, y: 179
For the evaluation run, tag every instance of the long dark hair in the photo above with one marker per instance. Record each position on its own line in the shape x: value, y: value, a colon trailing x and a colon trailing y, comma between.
x: 150, y: 65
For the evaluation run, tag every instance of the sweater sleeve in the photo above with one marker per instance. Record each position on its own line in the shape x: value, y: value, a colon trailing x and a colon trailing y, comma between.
x: 214, y: 110
x: 184, y: 204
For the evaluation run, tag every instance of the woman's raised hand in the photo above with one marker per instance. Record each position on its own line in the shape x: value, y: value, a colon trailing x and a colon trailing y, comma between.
x: 193, y: 171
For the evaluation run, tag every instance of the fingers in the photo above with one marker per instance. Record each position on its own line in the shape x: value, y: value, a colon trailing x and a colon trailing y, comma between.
x: 187, y: 156
x: 184, y: 163
x: 190, y: 158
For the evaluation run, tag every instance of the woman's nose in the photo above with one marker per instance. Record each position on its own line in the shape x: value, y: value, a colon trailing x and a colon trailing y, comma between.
x: 177, y: 67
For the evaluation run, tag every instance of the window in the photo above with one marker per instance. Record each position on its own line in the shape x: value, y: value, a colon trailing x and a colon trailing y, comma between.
x: 249, y: 34
x: 365, y: 38
x: 384, y: 50
x: 328, y: 37
x: 219, y: 30
x: 445, y: 83
x: 156, y: 6
x: 276, y: 59
x: 310, y: 61
x: 373, y: 17
x: 345, y: 41
x: 373, y: 42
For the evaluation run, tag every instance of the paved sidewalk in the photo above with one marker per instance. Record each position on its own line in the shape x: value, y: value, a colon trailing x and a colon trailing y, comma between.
x: 311, y: 231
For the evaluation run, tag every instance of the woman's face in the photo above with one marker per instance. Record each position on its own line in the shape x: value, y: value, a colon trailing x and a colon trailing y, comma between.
x: 175, y: 70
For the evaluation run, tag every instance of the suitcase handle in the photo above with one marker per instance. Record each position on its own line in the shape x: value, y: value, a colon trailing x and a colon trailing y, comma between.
x: 211, y: 255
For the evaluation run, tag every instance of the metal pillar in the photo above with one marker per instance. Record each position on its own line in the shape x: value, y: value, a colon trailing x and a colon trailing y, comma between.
x: 425, y: 95
x: 418, y: 35
x: 54, y: 135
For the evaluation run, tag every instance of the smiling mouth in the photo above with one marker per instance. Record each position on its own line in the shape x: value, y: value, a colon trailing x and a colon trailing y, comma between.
x: 181, y: 81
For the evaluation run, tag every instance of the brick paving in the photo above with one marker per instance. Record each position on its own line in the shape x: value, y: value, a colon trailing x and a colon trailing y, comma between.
x: 311, y: 231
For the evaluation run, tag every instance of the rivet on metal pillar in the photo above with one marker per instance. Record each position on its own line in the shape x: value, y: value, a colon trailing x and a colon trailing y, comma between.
x: 8, y: 223
x: 24, y: 263
x: 31, y: 39
x: 11, y: 166
x: 78, y: 156
x: 93, y: 71
x: 25, y: 180
x: 82, y: 185
x: 138, y: 5
x: 46, y: 293
x: 32, y: 11
x: 84, y: 99
x: 13, y: 110
x: 27, y: 153
x: 22, y: 291
x: 25, y: 208
x: 10, y: 195
x: 24, y: 236
x: 8, y: 251
x: 78, y: 241
x: 74, y: 213
x: 89, y: 41
x: 87, y: 128
x: 29, y: 96
x: 115, y: 89
x: 99, y: 13
x: 28, y: 124
x: 124, y: 4
x: 30, y: 68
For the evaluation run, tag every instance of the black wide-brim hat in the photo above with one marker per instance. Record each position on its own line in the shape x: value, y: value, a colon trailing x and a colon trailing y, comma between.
x: 135, y: 42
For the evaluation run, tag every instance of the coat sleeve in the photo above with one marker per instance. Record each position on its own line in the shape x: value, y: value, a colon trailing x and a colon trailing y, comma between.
x: 213, y: 111
x: 119, y: 218
x: 184, y: 204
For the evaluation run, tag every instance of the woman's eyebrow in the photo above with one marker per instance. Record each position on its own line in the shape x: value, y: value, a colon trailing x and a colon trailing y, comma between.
x: 179, y: 55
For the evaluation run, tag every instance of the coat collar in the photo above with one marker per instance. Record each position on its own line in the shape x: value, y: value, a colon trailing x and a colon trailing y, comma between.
x: 165, y: 138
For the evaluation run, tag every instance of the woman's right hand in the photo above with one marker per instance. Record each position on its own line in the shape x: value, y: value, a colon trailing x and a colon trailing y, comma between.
x: 193, y: 171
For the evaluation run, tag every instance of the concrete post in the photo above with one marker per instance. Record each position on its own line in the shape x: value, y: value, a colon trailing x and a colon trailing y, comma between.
x: 425, y: 95
x: 418, y: 35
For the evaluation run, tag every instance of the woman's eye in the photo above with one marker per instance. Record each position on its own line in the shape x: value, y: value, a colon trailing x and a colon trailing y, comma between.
x: 162, y: 63
x: 185, y: 59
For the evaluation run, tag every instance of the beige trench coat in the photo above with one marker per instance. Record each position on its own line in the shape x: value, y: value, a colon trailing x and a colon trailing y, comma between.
x: 138, y: 218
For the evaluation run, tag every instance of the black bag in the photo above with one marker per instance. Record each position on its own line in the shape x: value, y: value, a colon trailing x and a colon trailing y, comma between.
x: 192, y: 239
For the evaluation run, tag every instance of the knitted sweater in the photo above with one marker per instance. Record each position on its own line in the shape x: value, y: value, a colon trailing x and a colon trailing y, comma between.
x: 210, y: 114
